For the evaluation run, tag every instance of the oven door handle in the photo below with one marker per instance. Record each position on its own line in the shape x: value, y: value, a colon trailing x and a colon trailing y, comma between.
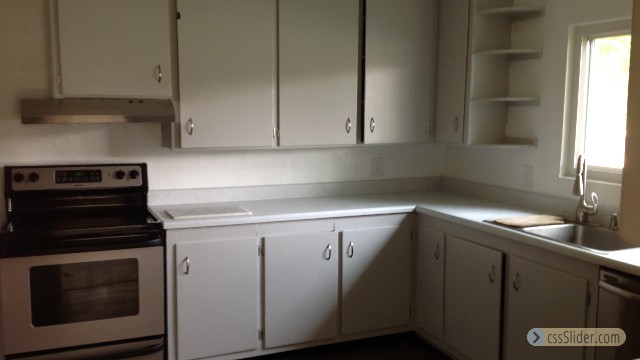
x: 128, y: 354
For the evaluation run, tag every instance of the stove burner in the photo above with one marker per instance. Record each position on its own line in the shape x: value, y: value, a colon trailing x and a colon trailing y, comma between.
x: 51, y: 207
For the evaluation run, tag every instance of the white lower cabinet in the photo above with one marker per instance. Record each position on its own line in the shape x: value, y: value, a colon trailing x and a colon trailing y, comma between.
x: 301, y: 288
x: 473, y: 299
x: 216, y: 286
x: 311, y: 282
x: 376, y: 278
x: 538, y: 296
x: 430, y: 255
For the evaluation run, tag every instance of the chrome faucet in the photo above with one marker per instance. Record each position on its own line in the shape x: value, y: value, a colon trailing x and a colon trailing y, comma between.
x: 579, y: 187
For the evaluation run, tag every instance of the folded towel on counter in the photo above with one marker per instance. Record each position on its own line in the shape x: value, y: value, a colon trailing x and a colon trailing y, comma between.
x: 530, y: 220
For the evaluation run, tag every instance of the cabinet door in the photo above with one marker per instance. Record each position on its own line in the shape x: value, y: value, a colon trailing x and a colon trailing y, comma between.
x: 217, y: 297
x: 473, y: 298
x: 115, y: 48
x: 399, y: 49
x: 430, y: 281
x: 376, y: 273
x: 318, y: 68
x: 301, y: 288
x: 226, y: 62
x: 542, y: 297
x: 453, y: 31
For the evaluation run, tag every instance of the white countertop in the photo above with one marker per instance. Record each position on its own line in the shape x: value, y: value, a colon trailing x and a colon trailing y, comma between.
x: 462, y: 210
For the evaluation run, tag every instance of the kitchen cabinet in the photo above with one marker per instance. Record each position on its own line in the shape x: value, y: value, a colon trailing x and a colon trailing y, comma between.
x: 376, y: 276
x: 318, y: 71
x: 116, y: 48
x: 453, y: 32
x: 539, y: 296
x: 398, y: 70
x: 430, y: 255
x: 226, y: 63
x: 473, y: 299
x: 301, y: 288
x: 216, y: 294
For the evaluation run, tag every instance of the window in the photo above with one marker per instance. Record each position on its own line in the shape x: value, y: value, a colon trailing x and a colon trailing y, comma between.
x: 599, y: 64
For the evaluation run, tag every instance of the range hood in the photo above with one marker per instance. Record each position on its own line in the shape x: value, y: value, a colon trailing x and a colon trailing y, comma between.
x: 78, y: 110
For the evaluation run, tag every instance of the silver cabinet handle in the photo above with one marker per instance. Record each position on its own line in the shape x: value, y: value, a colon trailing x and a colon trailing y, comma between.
x: 436, y: 252
x: 350, y: 250
x: 159, y: 73
x: 187, y: 266
x: 347, y: 126
x: 190, y: 126
x: 327, y: 252
x: 456, y: 123
x: 492, y: 273
x: 372, y: 124
x: 516, y: 282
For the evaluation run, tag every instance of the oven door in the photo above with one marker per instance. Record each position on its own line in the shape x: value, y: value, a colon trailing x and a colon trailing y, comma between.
x: 65, y: 300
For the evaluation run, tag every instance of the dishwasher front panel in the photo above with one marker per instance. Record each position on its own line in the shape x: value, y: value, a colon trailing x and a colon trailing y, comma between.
x: 619, y: 307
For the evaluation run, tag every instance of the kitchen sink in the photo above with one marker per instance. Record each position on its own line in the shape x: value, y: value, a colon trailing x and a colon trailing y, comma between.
x: 584, y: 236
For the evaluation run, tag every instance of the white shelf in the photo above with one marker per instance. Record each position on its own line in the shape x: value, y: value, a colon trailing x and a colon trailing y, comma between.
x: 510, y: 53
x: 510, y: 99
x: 509, y: 143
x: 512, y: 11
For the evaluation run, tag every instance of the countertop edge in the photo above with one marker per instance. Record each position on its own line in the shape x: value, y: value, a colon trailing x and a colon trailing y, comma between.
x: 457, y: 209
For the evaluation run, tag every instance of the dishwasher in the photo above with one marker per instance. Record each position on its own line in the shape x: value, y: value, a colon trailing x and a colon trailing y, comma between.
x: 619, y: 307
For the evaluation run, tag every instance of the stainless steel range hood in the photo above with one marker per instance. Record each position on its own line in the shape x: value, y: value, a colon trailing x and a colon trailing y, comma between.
x: 67, y: 111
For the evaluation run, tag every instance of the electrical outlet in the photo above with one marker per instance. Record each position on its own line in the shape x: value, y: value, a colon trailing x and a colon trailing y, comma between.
x: 527, y: 176
x: 377, y: 169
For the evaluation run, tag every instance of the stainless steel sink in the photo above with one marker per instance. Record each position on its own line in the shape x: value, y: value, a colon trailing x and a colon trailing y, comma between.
x: 584, y: 236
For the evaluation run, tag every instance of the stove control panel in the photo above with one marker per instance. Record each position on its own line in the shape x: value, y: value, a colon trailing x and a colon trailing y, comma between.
x: 115, y: 176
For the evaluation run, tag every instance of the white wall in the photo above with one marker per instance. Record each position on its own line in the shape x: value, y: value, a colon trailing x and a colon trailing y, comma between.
x: 630, y: 207
x: 25, y: 72
x: 507, y: 167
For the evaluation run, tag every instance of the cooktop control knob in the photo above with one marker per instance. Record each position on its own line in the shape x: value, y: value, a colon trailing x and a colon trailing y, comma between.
x: 120, y: 174
x: 134, y: 174
x: 33, y: 177
x: 18, y: 177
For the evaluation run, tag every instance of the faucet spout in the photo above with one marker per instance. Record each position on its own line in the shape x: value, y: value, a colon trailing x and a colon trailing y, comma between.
x: 584, y: 209
x: 580, y: 182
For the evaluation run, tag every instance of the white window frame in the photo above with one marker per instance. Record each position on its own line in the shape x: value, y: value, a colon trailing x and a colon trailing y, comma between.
x: 573, y: 142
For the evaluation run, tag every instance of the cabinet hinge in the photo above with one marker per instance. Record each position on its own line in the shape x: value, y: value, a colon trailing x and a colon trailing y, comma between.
x: 276, y: 133
x: 59, y: 80
x: 260, y: 334
x: 178, y: 16
x: 260, y: 250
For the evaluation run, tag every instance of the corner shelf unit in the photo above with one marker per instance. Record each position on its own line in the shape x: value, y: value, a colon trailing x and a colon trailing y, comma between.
x: 503, y: 39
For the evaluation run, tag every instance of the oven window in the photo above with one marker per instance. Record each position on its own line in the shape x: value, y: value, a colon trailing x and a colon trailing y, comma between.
x: 97, y: 290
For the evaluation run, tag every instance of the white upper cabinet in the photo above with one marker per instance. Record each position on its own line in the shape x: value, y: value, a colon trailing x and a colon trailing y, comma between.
x: 398, y: 70
x: 318, y: 72
x: 453, y: 32
x: 115, y: 48
x: 226, y: 63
